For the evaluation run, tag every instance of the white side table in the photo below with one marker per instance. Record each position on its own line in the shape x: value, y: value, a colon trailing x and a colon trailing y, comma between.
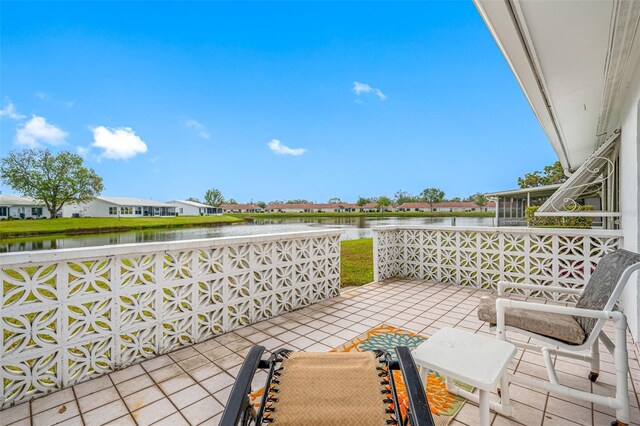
x: 477, y: 360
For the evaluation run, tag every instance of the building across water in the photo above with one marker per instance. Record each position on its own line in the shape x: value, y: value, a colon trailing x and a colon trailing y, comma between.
x: 15, y: 207
x: 119, y: 207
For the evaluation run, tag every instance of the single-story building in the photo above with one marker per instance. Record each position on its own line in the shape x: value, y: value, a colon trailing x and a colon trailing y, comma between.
x: 448, y: 206
x: 311, y: 208
x: 194, y: 208
x: 241, y: 208
x: 119, y: 207
x: 373, y: 207
x: 21, y: 208
x: 512, y: 204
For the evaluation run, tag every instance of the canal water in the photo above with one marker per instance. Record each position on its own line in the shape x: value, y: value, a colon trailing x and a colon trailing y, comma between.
x: 354, y: 228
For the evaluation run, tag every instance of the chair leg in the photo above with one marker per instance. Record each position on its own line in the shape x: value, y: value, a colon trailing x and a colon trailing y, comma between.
x: 503, y: 392
x: 595, y: 360
x: 621, y: 359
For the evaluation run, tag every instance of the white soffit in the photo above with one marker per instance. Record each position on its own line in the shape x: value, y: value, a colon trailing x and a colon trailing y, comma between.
x: 566, y: 55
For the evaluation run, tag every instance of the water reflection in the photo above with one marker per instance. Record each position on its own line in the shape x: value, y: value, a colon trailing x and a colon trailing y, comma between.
x: 354, y: 228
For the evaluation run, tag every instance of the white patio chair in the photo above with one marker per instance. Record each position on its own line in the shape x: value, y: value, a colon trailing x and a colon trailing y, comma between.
x: 568, y: 331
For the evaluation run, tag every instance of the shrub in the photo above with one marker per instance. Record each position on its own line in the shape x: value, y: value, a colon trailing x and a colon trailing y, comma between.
x: 558, y: 221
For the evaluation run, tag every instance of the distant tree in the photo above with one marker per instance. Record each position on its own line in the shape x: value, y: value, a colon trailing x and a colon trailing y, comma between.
x: 232, y: 201
x: 261, y: 204
x: 277, y: 202
x: 401, y: 197
x: 362, y: 201
x: 193, y: 199
x: 383, y: 201
x: 455, y: 200
x: 550, y: 175
x: 298, y: 201
x: 54, y: 179
x: 213, y: 197
x: 432, y: 196
x: 335, y: 200
x: 479, y: 199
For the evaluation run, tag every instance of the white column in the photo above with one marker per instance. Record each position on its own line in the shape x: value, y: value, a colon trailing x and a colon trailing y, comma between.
x: 630, y: 196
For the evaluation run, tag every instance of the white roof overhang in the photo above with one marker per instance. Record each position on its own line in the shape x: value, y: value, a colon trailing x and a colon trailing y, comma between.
x: 534, y: 191
x: 572, y: 60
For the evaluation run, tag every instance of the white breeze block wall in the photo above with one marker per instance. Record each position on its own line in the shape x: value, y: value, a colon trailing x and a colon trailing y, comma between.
x: 480, y: 257
x: 70, y: 315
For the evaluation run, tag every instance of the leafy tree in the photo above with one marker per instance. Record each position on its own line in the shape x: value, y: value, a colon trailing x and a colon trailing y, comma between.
x: 362, y: 201
x: 298, y: 201
x: 455, y: 200
x: 54, y: 179
x: 550, y: 175
x: 194, y: 199
x: 232, y: 201
x: 479, y: 199
x: 213, y: 197
x: 277, y: 202
x: 261, y: 204
x: 432, y: 196
x: 383, y: 201
x: 401, y: 197
x: 335, y: 200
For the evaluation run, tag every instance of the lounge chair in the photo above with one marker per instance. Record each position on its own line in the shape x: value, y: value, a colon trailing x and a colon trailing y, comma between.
x: 567, y: 331
x: 329, y: 388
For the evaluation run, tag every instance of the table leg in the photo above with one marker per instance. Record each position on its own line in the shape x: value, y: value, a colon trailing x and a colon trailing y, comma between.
x: 449, y: 385
x: 484, y: 407
x: 424, y: 372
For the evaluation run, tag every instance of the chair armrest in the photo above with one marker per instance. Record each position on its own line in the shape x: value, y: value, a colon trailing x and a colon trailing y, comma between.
x: 502, y: 304
x: 238, y: 401
x: 418, y: 404
x: 503, y: 285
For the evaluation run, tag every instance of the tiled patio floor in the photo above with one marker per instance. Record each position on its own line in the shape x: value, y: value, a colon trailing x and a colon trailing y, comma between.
x: 191, y: 385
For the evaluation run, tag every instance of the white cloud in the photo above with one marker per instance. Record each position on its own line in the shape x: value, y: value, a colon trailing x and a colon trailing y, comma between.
x: 83, y: 151
x: 10, y: 111
x: 118, y: 144
x: 360, y: 88
x: 37, y: 132
x: 276, y: 146
x: 197, y: 127
x: 47, y: 97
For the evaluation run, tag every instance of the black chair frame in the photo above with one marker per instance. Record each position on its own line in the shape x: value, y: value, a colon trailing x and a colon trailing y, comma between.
x: 239, y: 410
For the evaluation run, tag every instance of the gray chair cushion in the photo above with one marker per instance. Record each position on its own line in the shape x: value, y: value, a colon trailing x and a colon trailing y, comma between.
x: 602, y: 283
x: 557, y: 326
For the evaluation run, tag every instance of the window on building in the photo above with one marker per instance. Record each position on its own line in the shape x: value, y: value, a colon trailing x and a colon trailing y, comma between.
x: 4, y: 211
x: 36, y: 211
x: 126, y: 210
x: 138, y: 210
x: 113, y: 210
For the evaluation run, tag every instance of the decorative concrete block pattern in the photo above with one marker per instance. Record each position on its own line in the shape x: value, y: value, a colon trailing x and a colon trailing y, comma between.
x: 198, y: 394
x: 480, y: 257
x: 70, y: 315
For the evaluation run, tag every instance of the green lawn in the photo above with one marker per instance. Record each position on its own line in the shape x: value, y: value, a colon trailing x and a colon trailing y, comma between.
x: 92, y: 225
x: 356, y: 262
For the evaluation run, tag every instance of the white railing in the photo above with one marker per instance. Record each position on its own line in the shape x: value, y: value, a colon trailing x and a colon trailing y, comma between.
x: 481, y: 256
x: 69, y: 315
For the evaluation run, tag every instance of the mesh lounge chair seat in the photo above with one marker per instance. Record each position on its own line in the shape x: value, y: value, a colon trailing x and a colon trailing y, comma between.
x: 332, y: 388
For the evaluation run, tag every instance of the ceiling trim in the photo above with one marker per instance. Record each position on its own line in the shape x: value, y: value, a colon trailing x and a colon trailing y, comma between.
x: 503, y: 18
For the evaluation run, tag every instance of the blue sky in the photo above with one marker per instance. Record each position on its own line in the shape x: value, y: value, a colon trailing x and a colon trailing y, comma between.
x: 267, y: 100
